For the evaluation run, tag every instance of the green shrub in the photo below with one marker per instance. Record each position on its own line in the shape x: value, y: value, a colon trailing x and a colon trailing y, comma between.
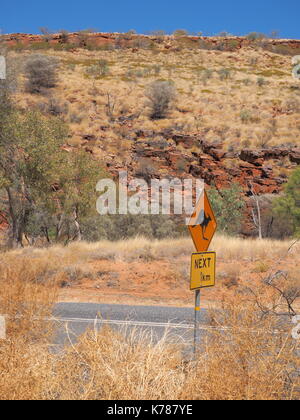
x: 41, y: 73
x: 160, y: 96
x: 246, y: 81
x: 117, y: 227
x: 159, y: 35
x: 228, y: 206
x: 256, y: 36
x: 245, y: 116
x: 64, y: 36
x: 224, y: 34
x: 287, y: 207
x: 224, y: 74
x: 54, y: 107
x: 180, y: 33
x: 100, y: 69
x: 206, y: 75
x: 261, y: 81
x: 46, y: 33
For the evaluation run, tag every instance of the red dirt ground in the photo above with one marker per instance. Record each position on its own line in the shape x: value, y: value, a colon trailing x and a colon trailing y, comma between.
x: 166, y: 282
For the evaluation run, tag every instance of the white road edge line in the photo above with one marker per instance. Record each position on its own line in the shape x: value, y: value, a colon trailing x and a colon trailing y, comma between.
x: 134, y: 323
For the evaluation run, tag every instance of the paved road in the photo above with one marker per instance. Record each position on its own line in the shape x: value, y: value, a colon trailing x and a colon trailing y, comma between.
x: 80, y: 316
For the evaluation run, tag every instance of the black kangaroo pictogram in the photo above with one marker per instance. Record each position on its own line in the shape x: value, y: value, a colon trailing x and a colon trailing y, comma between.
x: 203, y: 220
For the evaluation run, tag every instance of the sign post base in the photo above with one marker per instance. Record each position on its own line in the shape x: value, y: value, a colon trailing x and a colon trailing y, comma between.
x: 197, y: 315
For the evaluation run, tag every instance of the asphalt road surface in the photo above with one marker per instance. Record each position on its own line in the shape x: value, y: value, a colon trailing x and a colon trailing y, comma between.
x: 74, y: 318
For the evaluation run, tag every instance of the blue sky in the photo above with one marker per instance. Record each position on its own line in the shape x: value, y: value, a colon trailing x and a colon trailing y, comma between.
x: 235, y: 16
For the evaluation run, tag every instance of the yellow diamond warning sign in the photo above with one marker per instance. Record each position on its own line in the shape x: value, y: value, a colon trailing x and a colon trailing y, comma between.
x: 203, y: 270
x: 202, y: 225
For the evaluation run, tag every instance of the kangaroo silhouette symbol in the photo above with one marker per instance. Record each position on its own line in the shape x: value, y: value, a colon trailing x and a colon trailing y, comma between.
x: 203, y: 220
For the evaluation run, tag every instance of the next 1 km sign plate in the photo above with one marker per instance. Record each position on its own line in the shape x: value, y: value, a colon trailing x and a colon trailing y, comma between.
x: 203, y: 270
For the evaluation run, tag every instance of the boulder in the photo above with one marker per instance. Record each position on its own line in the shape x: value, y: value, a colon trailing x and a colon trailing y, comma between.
x: 187, y: 141
x: 252, y: 156
x: 275, y: 153
x: 295, y: 156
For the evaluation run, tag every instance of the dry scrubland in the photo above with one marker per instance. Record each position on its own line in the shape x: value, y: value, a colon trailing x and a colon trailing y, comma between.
x: 142, y: 271
x: 254, y: 362
x: 244, y: 98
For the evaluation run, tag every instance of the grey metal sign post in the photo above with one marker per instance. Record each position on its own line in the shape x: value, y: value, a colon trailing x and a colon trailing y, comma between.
x: 197, y: 316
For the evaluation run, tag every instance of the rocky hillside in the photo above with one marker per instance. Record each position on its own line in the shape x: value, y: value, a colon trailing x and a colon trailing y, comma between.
x: 235, y: 118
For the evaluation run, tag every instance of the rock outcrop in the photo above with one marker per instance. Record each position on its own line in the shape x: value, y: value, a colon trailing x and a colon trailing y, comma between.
x: 135, y: 41
x: 250, y: 168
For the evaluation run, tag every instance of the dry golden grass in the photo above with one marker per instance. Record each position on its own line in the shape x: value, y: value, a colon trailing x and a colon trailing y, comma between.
x: 252, y: 359
x: 230, y: 248
x: 248, y: 362
x: 27, y: 298
x: 251, y: 362
x: 143, y: 271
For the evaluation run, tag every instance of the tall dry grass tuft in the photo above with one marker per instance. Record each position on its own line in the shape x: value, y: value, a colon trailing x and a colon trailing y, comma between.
x: 27, y: 294
x: 114, y: 365
x: 231, y: 248
x: 251, y: 360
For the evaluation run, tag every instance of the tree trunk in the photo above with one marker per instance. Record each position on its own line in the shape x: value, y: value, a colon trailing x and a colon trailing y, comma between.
x: 17, y: 230
x: 59, y: 227
x: 46, y: 234
x: 78, y: 234
x: 259, y: 219
x: 256, y: 218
